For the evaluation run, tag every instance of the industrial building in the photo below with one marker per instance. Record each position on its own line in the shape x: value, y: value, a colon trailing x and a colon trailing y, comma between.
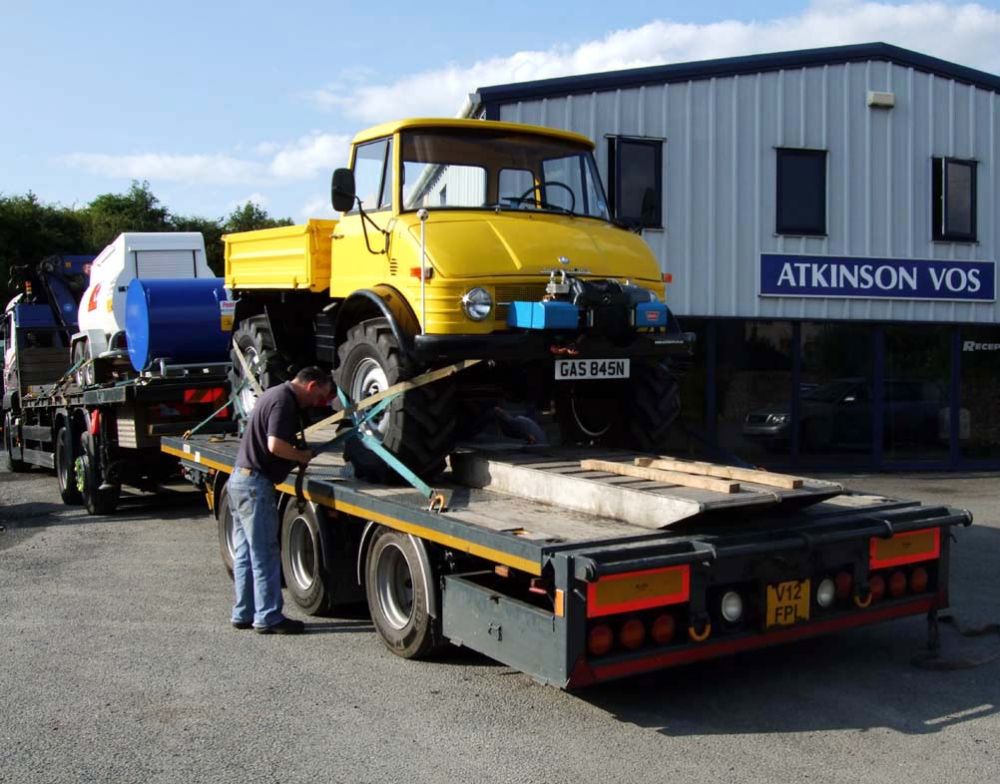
x: 828, y: 220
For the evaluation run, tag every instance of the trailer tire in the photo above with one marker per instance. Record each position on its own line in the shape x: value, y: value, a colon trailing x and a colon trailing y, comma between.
x: 305, y: 560
x: 419, y: 426
x: 11, y: 463
x: 224, y: 524
x: 635, y: 414
x: 65, y: 464
x: 98, y: 500
x: 255, y: 340
x: 397, y: 592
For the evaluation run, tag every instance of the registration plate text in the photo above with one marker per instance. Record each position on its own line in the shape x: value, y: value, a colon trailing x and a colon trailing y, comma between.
x: 787, y: 603
x: 577, y: 369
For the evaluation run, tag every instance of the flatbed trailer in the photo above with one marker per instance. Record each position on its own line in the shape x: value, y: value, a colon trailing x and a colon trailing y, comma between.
x: 98, y: 438
x: 661, y: 571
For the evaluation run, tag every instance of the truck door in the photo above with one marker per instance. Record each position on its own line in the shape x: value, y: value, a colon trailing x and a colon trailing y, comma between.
x: 353, y: 266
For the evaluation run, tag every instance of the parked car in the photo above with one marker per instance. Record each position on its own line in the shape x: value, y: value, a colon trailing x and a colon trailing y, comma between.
x: 839, y: 413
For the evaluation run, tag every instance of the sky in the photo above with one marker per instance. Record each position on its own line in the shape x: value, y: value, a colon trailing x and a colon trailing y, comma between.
x: 219, y: 103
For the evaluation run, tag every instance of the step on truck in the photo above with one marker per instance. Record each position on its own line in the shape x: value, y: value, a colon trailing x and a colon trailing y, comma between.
x: 466, y: 239
x: 100, y: 363
x: 578, y: 566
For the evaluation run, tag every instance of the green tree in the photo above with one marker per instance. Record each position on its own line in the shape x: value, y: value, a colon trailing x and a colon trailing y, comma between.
x: 252, y: 216
x: 110, y: 214
x: 211, y: 230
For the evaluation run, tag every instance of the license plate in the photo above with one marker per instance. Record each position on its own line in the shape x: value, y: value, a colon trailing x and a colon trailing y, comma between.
x: 582, y: 369
x: 787, y: 603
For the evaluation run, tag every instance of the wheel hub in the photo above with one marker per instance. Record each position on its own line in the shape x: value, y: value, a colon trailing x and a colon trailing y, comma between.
x: 369, y: 379
x: 302, y: 554
x: 395, y: 587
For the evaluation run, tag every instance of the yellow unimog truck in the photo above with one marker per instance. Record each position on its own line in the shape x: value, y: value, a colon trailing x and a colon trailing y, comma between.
x: 465, y: 239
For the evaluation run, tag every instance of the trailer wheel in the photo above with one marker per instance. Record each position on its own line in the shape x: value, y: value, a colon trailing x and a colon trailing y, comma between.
x: 225, y: 523
x: 65, y: 460
x: 397, y: 591
x: 98, y: 500
x: 304, y: 560
x: 418, y: 427
x: 11, y: 463
x: 634, y: 414
x: 254, y: 338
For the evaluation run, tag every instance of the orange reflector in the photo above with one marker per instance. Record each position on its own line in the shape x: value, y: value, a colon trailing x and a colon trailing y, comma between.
x: 210, y: 395
x: 919, y: 580
x: 668, y: 278
x: 897, y: 584
x: 662, y: 630
x: 641, y: 590
x: 843, y: 581
x: 877, y: 586
x: 559, y: 603
x: 905, y: 548
x: 632, y: 634
x: 428, y: 273
x: 600, y: 639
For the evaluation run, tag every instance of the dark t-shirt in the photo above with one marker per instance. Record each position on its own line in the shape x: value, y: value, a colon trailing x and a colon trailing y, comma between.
x: 275, y: 414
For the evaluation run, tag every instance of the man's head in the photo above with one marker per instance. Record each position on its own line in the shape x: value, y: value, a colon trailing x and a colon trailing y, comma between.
x: 314, y: 387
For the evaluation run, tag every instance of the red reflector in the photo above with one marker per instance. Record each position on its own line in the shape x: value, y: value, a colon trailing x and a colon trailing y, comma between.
x: 897, y: 584
x: 877, y: 586
x: 668, y: 278
x: 633, y: 634
x: 662, y: 630
x: 209, y: 395
x: 843, y: 581
x: 919, y: 580
x: 95, y: 421
x: 600, y: 639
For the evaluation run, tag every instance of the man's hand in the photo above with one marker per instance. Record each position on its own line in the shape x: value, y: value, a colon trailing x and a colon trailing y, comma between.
x: 281, y: 448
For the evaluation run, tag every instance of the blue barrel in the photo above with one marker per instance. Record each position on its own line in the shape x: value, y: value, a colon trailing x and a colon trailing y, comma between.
x: 175, y: 319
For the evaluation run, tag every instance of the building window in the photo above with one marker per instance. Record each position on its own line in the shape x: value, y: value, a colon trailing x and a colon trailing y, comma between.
x: 954, y: 199
x: 801, y: 192
x: 635, y: 181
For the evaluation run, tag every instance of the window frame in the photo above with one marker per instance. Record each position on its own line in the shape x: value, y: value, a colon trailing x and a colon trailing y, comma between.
x: 939, y: 196
x: 783, y: 227
x: 615, y: 144
x: 386, y: 177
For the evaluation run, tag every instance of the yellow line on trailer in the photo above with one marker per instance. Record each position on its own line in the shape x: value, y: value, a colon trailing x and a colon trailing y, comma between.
x: 497, y: 556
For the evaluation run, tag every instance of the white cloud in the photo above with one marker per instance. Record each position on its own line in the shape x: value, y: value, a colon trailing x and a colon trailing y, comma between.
x: 319, y: 207
x: 309, y: 156
x: 200, y: 169
x: 963, y: 33
x: 254, y: 198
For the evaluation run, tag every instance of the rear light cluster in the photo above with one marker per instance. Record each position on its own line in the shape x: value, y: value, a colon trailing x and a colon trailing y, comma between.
x: 896, y: 583
x: 632, y: 632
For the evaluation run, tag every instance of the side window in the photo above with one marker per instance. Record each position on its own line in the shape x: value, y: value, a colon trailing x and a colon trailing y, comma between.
x: 373, y: 174
x: 801, y: 192
x: 635, y: 181
x: 954, y: 199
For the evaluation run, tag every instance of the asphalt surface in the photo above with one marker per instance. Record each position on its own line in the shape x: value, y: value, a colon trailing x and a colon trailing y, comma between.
x: 118, y: 664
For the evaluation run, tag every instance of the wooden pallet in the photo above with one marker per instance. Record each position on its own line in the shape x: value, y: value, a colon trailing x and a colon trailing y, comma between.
x: 643, y: 490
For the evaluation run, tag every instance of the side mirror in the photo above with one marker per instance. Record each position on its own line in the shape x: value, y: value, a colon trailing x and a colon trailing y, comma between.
x: 342, y: 190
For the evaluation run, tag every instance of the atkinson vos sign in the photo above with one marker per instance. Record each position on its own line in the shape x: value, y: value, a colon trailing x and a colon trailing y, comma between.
x: 783, y: 275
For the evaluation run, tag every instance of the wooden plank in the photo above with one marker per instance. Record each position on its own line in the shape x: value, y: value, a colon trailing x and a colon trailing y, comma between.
x: 722, y: 472
x: 659, y: 475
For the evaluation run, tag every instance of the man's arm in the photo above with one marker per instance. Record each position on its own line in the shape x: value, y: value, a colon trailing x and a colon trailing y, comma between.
x: 281, y: 448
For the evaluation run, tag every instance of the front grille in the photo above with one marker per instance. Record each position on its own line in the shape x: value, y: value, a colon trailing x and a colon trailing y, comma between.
x: 527, y: 292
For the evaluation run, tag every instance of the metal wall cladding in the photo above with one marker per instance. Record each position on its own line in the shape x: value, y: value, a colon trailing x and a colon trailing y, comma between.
x: 720, y: 176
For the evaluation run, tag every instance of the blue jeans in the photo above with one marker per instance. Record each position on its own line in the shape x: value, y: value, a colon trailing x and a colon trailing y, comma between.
x: 257, y: 559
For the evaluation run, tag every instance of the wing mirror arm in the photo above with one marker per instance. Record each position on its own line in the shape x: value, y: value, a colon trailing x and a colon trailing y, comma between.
x: 344, y: 197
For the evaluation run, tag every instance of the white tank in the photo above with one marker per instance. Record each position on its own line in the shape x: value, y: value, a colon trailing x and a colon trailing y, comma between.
x: 143, y: 255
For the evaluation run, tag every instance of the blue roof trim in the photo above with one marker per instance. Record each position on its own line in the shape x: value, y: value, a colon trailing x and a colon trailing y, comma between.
x: 732, y: 66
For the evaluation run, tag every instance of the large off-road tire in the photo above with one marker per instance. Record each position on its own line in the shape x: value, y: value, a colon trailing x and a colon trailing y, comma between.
x: 67, y: 450
x: 418, y: 427
x: 631, y: 414
x: 225, y: 522
x: 11, y: 463
x: 254, y: 338
x: 98, y: 500
x: 397, y: 593
x: 305, y: 560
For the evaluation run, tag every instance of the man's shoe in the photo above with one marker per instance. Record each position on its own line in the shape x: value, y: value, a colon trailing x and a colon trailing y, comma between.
x: 284, y: 626
x: 242, y: 624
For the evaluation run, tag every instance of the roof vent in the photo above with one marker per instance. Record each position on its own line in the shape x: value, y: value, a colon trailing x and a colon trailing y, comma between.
x: 881, y: 100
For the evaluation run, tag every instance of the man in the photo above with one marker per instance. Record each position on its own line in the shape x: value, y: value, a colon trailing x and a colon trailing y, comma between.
x: 267, y: 453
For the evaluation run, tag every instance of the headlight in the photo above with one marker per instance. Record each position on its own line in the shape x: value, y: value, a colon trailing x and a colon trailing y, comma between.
x: 731, y: 606
x: 477, y: 304
x: 778, y: 419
